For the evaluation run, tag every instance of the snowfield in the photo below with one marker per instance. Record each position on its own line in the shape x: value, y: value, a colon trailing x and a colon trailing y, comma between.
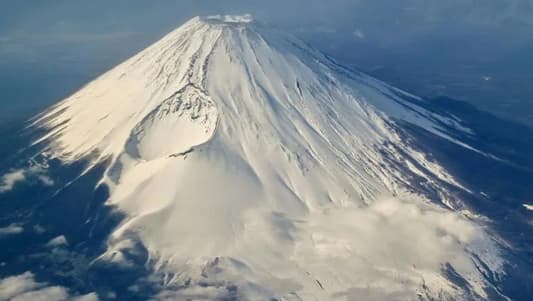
x: 252, y: 166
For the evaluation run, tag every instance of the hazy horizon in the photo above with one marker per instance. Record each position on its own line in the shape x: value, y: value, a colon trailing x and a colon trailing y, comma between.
x: 430, y: 48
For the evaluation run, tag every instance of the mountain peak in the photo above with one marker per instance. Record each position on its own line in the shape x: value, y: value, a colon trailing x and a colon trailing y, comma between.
x: 250, y: 146
x: 227, y: 19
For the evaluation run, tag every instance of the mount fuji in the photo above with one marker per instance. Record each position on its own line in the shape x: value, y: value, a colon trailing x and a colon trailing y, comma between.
x: 231, y: 161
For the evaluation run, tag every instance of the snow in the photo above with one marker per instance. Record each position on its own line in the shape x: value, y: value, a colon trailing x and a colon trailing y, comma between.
x: 242, y: 155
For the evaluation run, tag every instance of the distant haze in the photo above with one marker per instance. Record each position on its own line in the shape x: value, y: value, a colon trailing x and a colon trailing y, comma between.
x: 50, y: 48
x: 388, y: 17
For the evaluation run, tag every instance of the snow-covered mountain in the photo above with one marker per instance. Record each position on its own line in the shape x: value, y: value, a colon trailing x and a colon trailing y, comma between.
x: 251, y: 166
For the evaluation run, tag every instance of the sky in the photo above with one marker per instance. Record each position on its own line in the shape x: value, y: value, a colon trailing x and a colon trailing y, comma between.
x: 50, y: 48
x: 405, y: 16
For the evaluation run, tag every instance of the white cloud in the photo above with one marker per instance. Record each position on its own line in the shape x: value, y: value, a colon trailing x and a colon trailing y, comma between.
x: 39, y: 170
x: 88, y: 297
x: 46, y: 180
x: 10, y: 179
x: 391, y: 240
x: 385, y: 251
x: 193, y: 293
x: 57, y: 242
x: 39, y: 229
x: 16, y: 285
x: 24, y: 288
x: 53, y: 293
x: 11, y: 229
x: 358, y: 33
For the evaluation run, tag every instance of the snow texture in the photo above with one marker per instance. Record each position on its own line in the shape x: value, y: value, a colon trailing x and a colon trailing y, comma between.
x: 251, y: 166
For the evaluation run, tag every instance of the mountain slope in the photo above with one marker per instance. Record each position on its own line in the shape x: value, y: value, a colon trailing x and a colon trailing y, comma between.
x: 249, y: 165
